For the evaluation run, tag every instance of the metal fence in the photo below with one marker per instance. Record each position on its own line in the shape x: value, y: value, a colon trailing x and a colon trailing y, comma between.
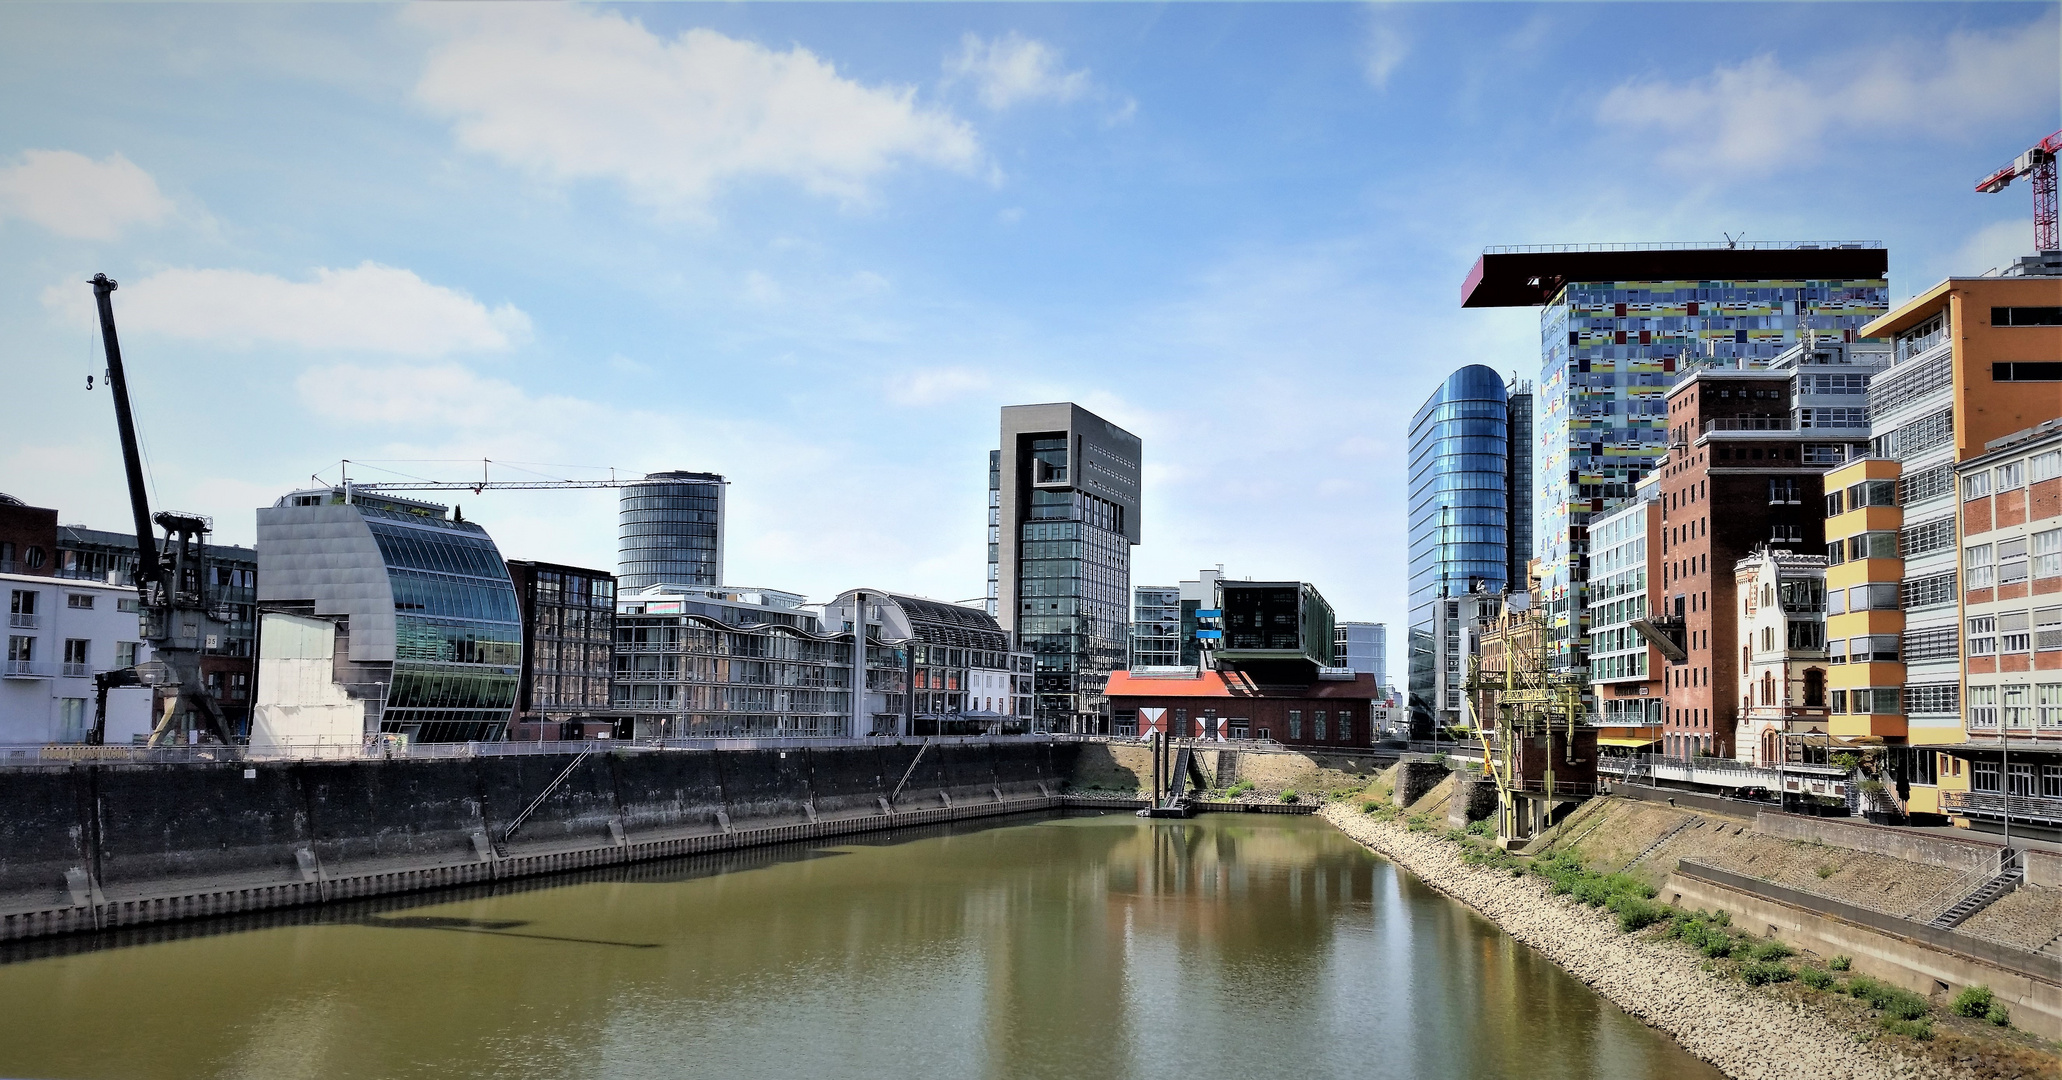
x: 65, y: 754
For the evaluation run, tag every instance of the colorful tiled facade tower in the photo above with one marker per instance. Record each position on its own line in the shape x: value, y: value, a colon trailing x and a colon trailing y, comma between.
x: 1618, y: 325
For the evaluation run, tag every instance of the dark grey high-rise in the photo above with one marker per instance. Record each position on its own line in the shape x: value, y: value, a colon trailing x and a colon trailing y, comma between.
x: 670, y: 531
x: 1063, y: 516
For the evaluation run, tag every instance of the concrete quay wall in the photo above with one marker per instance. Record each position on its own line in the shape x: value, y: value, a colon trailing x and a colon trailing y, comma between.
x: 92, y: 846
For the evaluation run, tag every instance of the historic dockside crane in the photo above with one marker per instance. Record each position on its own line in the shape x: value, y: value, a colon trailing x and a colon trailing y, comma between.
x: 173, y: 584
x: 1535, y: 745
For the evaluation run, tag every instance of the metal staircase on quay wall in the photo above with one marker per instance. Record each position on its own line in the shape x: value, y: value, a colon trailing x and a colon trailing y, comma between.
x: 1997, y: 880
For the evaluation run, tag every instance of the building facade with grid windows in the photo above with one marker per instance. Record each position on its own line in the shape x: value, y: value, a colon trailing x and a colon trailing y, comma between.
x: 1618, y: 325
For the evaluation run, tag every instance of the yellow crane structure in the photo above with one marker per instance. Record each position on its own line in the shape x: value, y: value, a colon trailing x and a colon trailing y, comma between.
x: 1536, y: 744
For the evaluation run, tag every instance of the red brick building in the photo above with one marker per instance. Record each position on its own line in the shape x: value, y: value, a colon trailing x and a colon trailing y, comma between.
x: 1333, y: 711
x: 28, y: 538
x: 1734, y: 480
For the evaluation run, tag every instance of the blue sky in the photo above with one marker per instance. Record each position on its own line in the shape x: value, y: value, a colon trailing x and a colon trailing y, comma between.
x: 814, y: 247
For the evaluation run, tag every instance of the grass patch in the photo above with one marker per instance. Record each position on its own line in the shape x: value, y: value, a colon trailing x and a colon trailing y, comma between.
x: 1979, y: 1003
x: 1772, y: 950
x: 1840, y: 963
x: 1816, y: 979
x: 1238, y: 789
x: 1827, y: 870
x: 1893, y: 1001
x: 1290, y: 796
x: 1763, y: 973
x: 1921, y: 1030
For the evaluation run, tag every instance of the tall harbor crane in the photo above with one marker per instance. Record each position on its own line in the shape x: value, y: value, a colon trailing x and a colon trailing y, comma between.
x: 2037, y: 165
x: 174, y: 588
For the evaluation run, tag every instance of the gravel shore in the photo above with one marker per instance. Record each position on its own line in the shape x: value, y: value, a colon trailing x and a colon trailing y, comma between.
x: 1748, y: 1035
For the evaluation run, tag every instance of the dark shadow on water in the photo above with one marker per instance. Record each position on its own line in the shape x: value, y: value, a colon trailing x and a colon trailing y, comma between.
x: 655, y: 872
x: 496, y: 927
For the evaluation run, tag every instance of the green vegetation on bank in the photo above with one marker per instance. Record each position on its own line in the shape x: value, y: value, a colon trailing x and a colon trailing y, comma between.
x: 1754, y: 961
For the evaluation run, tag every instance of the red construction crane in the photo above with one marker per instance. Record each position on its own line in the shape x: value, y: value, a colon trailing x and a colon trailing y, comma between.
x: 2038, y: 164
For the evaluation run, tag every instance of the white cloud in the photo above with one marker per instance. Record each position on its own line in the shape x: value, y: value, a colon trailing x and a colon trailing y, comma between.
x: 1754, y: 116
x: 1013, y: 69
x: 72, y: 195
x: 370, y: 308
x: 443, y: 397
x: 937, y: 386
x: 1385, y: 51
x: 571, y: 93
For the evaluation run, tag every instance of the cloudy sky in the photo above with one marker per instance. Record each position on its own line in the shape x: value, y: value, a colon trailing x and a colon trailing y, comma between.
x: 815, y: 247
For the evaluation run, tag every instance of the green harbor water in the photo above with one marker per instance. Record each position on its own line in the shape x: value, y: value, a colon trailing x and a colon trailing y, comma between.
x: 1068, y: 947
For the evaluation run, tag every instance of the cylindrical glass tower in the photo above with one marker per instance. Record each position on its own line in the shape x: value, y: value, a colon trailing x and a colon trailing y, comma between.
x: 1460, y: 527
x: 670, y: 531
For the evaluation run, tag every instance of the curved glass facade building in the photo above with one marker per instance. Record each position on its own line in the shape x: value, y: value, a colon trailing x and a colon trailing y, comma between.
x: 1461, y: 503
x: 670, y: 531
x: 422, y: 602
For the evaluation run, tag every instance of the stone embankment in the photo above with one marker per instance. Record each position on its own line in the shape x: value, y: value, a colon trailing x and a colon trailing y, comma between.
x: 1747, y: 1035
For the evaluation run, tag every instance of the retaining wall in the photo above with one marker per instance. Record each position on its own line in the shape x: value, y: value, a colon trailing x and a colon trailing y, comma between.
x: 2042, y: 867
x: 116, y: 844
x: 1932, y: 849
x: 1929, y: 961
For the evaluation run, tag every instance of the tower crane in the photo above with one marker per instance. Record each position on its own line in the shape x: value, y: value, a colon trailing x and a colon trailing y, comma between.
x: 2037, y: 164
x: 172, y: 581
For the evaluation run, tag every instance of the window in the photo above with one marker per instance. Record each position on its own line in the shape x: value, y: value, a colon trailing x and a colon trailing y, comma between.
x: 1936, y: 644
x: 1983, y: 636
x: 1830, y: 418
x: 2046, y: 466
x: 1786, y: 534
x: 2013, y: 635
x: 1783, y: 491
x: 1983, y: 708
x: 1295, y: 723
x: 2017, y: 699
x: 2012, y: 476
x: 1873, y: 545
x: 2037, y: 371
x: 1874, y: 597
x: 1836, y: 553
x: 1929, y: 591
x: 21, y: 610
x: 1917, y: 437
x: 1836, y: 601
x: 1345, y: 725
x: 1872, y: 493
x: 1926, y: 484
x: 1976, y: 559
x: 1935, y: 535
x: 125, y: 654
x: 1934, y: 698
x: 1836, y: 503
x: 1879, y: 648
x: 1975, y: 486
x: 21, y: 652
x: 75, y: 657
x: 1836, y: 701
x: 2026, y: 316
x: 2047, y: 629
x: 1824, y: 453
x: 1836, y: 651
x: 78, y: 600
x: 1317, y: 725
x: 2047, y: 699
x: 1983, y: 775
x: 2047, y: 554
x: 1874, y: 700
x: 2011, y: 561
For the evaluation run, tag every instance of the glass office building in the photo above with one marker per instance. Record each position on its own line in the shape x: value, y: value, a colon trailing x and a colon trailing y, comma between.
x: 1460, y: 536
x: 1063, y: 516
x: 1618, y: 325
x: 669, y: 531
x: 434, y: 633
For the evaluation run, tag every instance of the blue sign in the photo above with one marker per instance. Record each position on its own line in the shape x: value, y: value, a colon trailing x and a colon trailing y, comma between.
x: 1209, y: 613
x: 1209, y: 633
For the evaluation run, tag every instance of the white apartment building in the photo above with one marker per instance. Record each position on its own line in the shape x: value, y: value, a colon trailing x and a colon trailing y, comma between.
x: 1623, y: 666
x: 60, y: 633
x: 1783, y: 662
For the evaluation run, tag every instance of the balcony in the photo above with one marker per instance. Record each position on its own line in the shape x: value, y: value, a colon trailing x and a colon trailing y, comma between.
x: 25, y: 669
x: 1990, y: 806
x: 77, y: 671
x: 21, y: 620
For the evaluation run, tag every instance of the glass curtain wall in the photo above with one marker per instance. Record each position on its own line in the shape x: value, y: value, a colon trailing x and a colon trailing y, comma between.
x: 670, y: 531
x: 1459, y: 514
x: 458, y: 634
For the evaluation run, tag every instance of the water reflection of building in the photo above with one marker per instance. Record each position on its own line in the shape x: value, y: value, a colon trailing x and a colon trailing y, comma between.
x: 410, y: 606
